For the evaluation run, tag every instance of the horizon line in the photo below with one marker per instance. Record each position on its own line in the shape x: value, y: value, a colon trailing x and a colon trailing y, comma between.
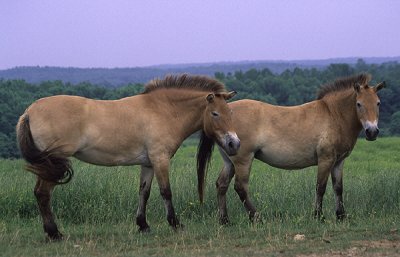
x: 194, y: 64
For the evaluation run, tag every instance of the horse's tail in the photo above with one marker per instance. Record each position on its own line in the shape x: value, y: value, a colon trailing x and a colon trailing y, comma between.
x: 204, y: 152
x: 49, y: 164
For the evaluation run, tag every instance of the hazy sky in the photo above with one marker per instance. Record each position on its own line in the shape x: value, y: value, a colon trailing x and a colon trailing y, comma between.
x: 118, y: 33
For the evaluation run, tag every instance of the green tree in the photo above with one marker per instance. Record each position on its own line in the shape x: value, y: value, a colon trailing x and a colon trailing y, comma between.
x: 395, y: 124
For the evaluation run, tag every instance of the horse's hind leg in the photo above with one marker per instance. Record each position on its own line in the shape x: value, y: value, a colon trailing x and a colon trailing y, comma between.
x: 146, y: 178
x: 222, y: 184
x: 242, y: 173
x: 43, y: 191
x: 337, y: 183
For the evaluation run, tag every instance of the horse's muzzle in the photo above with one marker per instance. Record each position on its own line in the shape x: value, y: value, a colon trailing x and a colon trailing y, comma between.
x: 371, y: 133
x: 231, y: 144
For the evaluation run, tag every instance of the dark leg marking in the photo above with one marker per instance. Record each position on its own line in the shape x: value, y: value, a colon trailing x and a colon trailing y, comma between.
x: 42, y: 193
x: 171, y: 217
x: 146, y: 178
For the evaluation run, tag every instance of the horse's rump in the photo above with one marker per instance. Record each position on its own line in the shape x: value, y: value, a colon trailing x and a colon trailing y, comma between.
x: 49, y: 164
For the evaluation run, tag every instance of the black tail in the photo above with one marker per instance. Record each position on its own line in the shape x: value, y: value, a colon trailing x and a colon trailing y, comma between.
x: 204, y: 152
x: 49, y: 164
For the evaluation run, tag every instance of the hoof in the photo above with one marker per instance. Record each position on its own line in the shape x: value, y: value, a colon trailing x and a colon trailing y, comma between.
x: 319, y: 216
x: 256, y: 218
x: 321, y: 219
x: 52, y: 231
x: 57, y: 236
x: 341, y: 217
x: 224, y: 220
x: 178, y: 227
x: 144, y: 229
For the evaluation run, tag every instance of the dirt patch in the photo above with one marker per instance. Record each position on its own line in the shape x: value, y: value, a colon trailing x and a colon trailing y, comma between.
x: 380, y: 244
x: 379, y: 248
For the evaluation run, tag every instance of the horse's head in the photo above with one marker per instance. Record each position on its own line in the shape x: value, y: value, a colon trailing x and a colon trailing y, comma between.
x: 218, y: 122
x: 367, y: 105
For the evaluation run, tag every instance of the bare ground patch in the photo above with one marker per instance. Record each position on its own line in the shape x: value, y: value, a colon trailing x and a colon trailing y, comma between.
x: 377, y: 248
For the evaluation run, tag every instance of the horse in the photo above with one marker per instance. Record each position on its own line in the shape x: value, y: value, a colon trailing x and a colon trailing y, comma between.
x: 145, y: 129
x: 322, y: 132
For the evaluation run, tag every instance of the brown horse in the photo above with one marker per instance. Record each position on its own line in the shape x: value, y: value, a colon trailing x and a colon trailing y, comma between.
x: 145, y: 130
x: 322, y: 132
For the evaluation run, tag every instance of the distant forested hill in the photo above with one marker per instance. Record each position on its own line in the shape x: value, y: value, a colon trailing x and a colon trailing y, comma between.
x: 123, y: 76
x: 290, y: 87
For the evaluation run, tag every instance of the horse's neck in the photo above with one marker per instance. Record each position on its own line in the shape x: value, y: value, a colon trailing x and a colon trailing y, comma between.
x: 185, y: 113
x: 342, y: 107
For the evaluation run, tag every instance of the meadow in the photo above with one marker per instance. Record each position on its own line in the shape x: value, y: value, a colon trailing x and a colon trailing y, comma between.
x: 96, y: 211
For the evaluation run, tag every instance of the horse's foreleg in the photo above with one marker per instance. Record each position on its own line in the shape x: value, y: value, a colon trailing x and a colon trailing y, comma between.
x: 222, y: 185
x: 161, y: 170
x: 146, y: 178
x: 337, y: 183
x: 324, y: 169
x: 242, y: 173
x: 43, y: 190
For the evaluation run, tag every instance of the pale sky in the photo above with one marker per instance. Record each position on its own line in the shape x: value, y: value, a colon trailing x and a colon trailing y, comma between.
x: 117, y: 33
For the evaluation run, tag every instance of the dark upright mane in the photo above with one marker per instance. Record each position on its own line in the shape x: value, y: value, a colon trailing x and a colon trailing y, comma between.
x: 343, y: 84
x: 195, y: 82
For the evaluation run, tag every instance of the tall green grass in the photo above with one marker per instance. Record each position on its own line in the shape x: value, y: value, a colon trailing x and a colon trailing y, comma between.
x: 100, y: 203
x: 103, y: 194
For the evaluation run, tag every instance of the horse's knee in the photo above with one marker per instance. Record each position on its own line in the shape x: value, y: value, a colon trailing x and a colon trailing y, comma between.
x: 221, y: 188
x: 144, y: 192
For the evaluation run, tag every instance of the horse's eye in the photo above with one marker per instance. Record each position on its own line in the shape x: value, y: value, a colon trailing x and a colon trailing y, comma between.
x: 215, y: 114
x: 378, y: 103
x: 358, y: 105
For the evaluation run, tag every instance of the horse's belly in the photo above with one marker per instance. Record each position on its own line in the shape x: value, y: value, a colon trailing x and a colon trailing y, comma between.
x: 287, y: 160
x: 108, y: 159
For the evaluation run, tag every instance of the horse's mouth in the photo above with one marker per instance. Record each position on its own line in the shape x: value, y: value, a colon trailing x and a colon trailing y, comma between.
x: 370, y: 138
x: 371, y: 133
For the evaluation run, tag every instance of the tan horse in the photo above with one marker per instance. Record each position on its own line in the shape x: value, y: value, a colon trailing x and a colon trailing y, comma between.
x: 145, y: 130
x: 322, y: 132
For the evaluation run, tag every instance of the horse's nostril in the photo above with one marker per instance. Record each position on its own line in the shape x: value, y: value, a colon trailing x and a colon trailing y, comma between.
x: 230, y: 144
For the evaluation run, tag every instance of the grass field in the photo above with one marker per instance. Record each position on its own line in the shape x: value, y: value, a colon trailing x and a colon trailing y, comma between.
x: 96, y: 211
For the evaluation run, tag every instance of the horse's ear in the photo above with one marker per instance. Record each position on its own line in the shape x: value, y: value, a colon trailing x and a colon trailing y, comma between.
x: 380, y: 86
x: 230, y: 95
x: 210, y: 98
x: 357, y: 87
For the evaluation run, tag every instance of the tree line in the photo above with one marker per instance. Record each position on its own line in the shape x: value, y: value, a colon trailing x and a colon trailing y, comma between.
x: 290, y: 87
x: 116, y: 77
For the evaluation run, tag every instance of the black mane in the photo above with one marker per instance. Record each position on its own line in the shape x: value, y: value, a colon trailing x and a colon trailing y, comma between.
x: 343, y: 84
x: 185, y: 81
